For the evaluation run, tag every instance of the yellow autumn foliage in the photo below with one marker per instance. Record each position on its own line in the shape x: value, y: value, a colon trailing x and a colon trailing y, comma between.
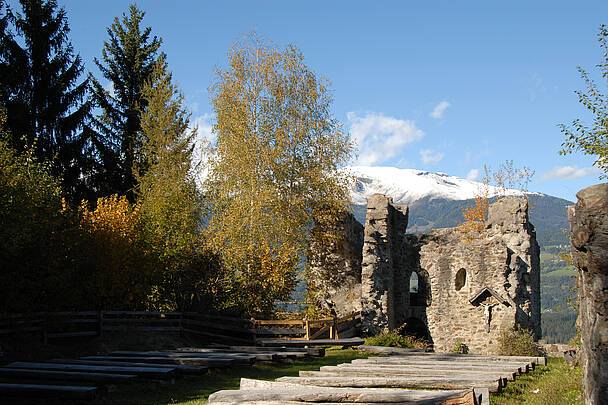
x: 122, y: 269
x: 274, y: 167
x: 506, y: 178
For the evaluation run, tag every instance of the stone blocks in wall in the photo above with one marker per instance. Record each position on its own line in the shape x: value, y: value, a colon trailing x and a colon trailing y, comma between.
x: 334, y: 267
x: 508, y: 221
x: 385, y: 226
x: 589, y: 237
x: 482, y: 285
x: 469, y: 289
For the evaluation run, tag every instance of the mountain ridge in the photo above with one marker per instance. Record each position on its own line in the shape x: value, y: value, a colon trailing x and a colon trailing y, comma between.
x: 409, y: 185
x: 436, y: 200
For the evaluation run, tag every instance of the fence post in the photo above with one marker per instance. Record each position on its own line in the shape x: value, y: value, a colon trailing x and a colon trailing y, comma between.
x: 307, y: 327
x: 100, y: 313
x: 333, y: 330
x: 181, y: 323
x: 45, y: 339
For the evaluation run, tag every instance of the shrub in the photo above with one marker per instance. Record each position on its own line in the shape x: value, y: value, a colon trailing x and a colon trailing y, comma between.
x: 459, y: 348
x: 31, y: 260
x: 395, y: 338
x: 518, y: 342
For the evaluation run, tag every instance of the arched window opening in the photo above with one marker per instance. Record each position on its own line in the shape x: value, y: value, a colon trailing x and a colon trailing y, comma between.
x: 417, y: 290
x: 414, y: 283
x: 461, y: 279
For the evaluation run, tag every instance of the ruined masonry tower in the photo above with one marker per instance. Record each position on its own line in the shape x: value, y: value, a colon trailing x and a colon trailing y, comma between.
x: 445, y: 287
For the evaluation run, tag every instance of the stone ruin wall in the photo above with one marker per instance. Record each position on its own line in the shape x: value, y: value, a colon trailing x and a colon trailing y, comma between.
x: 482, y: 286
x: 589, y: 238
x: 501, y: 267
x: 334, y: 269
x: 383, y: 256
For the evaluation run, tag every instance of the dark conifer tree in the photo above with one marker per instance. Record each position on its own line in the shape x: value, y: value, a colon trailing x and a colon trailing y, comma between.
x: 128, y: 59
x: 44, y: 99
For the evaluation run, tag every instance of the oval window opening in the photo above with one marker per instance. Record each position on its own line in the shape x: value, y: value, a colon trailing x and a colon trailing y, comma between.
x: 461, y: 279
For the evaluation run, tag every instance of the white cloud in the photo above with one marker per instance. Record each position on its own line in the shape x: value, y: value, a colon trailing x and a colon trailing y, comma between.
x: 473, y: 173
x: 569, y: 172
x: 379, y: 138
x: 427, y: 156
x: 440, y: 109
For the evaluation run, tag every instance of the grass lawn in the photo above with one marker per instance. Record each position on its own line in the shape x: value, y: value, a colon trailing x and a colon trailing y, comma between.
x: 555, y: 384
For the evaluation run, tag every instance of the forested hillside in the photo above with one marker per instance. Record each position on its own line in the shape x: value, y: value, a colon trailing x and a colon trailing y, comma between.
x: 548, y: 215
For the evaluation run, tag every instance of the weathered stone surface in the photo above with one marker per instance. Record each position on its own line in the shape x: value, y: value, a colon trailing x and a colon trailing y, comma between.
x: 383, y: 257
x: 334, y: 269
x: 589, y: 236
x: 469, y: 290
x: 482, y: 284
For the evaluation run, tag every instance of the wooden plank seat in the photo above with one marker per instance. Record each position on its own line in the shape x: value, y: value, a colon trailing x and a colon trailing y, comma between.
x: 148, y: 372
x: 186, y: 361
x: 362, y: 372
x: 316, y: 342
x: 46, y: 391
x: 180, y: 369
x: 387, y: 350
x: 378, y: 395
x: 261, y: 392
x: 400, y: 352
x: 266, y: 355
x: 508, y: 371
x: 44, y: 375
x: 454, y: 363
x: 516, y: 368
x: 240, y: 358
x: 446, y: 383
x: 313, y: 351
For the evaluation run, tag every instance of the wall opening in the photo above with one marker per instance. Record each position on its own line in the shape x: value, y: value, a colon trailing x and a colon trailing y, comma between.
x: 417, y: 328
x: 461, y: 279
x: 414, y: 283
x: 418, y: 290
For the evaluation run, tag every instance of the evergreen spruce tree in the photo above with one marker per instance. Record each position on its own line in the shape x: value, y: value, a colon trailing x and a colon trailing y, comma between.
x: 169, y: 199
x: 45, y: 101
x: 5, y: 41
x: 128, y: 59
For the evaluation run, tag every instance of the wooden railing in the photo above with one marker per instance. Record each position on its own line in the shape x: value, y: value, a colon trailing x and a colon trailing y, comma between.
x: 53, y: 325
x: 335, y: 327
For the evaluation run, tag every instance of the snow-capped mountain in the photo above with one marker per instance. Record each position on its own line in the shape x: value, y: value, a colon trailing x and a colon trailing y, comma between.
x: 436, y: 199
x: 409, y: 185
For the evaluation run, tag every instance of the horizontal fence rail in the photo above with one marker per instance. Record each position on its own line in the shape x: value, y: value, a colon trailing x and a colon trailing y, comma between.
x: 54, y: 325
x: 332, y: 328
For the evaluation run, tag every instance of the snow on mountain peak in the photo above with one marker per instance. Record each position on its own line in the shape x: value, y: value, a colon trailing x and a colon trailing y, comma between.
x: 409, y: 185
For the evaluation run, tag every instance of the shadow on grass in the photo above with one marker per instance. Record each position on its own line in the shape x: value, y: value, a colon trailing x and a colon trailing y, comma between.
x: 190, y: 390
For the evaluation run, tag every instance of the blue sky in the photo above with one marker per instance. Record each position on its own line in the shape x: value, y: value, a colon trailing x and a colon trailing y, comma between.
x: 442, y: 86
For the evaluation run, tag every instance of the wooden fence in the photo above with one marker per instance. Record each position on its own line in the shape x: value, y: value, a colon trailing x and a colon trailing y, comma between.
x: 53, y: 325
x: 332, y: 328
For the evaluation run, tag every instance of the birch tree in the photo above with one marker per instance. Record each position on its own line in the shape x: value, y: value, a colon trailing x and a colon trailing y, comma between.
x: 274, y: 167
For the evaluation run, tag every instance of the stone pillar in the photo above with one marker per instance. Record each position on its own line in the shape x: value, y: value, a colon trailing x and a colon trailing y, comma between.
x: 508, y: 219
x: 385, y: 225
x: 589, y: 238
x: 334, y: 266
